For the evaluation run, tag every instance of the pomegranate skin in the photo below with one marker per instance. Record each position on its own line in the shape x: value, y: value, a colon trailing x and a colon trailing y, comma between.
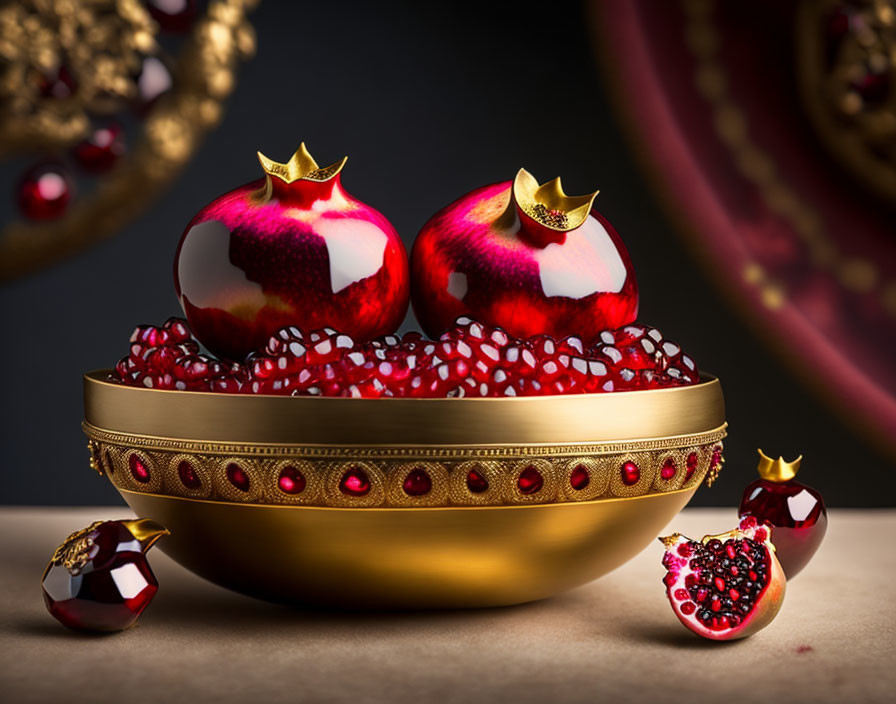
x: 484, y: 256
x: 289, y: 250
x: 795, y: 510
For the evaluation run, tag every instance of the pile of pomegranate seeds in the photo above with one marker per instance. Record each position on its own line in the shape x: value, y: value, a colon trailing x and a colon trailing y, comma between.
x: 470, y: 359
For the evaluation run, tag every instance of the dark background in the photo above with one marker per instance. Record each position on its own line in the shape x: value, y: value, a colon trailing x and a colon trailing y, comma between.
x: 429, y: 101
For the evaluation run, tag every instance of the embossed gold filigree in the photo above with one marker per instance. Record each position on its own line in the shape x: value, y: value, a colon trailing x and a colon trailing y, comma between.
x: 74, y: 552
x: 387, y: 467
x: 101, y: 43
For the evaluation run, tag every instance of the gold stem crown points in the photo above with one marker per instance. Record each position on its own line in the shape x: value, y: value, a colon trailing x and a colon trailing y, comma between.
x: 777, y: 470
x: 74, y: 551
x: 301, y: 165
x: 548, y: 204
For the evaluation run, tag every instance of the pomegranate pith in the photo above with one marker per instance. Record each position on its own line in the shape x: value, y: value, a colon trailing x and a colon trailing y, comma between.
x: 724, y: 586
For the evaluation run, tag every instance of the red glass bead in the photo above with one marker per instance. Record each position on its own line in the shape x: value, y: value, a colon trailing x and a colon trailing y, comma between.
x: 530, y: 481
x: 44, y: 192
x: 630, y: 473
x: 188, y: 476
x: 237, y: 476
x: 355, y: 482
x: 668, y: 469
x: 417, y: 483
x: 173, y: 15
x: 291, y: 480
x: 139, y: 471
x: 99, y: 151
x: 476, y: 483
x: 579, y: 478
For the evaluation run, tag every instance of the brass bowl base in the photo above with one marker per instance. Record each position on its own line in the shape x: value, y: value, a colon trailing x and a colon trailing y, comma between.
x: 413, y: 558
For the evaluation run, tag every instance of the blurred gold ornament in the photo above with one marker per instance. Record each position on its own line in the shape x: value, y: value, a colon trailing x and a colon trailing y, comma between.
x: 63, y: 61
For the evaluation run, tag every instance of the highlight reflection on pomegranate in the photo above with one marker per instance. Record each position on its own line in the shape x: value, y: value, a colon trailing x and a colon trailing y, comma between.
x: 524, y: 257
x: 293, y: 249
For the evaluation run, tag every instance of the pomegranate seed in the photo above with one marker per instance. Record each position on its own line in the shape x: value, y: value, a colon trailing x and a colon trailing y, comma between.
x: 237, y: 476
x: 417, y: 483
x: 530, y: 481
x: 476, y: 483
x: 355, y: 482
x: 630, y: 473
x: 579, y: 478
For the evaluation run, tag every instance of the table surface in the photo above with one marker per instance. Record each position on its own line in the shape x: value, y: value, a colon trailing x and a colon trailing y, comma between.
x: 834, y: 640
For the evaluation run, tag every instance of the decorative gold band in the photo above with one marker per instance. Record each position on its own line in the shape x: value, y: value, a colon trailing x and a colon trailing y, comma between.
x: 316, y: 474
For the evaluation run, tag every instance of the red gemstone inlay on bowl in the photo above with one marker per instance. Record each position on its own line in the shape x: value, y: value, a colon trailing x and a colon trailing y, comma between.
x: 668, y: 470
x: 237, y: 476
x: 579, y: 477
x: 530, y: 481
x: 138, y: 469
x: 354, y: 482
x: 188, y: 475
x: 691, y: 465
x: 417, y: 483
x: 291, y: 480
x: 476, y: 483
x: 630, y: 473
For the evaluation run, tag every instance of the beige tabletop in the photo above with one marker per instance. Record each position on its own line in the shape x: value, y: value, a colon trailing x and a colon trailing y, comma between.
x: 613, y: 640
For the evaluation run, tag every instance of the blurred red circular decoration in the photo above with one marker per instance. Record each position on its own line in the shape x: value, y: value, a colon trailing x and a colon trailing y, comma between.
x: 770, y: 131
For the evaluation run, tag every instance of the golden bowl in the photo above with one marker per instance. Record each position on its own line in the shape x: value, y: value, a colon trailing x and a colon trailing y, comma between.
x: 575, y: 486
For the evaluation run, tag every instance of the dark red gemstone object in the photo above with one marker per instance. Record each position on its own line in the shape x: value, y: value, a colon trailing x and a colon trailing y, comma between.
x: 579, y: 478
x: 99, y: 579
x: 188, y: 475
x: 668, y: 469
x: 44, y: 192
x: 139, y: 471
x: 476, y: 483
x: 530, y: 481
x: 355, y: 482
x: 237, y: 476
x: 798, y: 515
x: 291, y: 480
x: 690, y: 465
x: 101, y: 149
x: 417, y: 483
x: 630, y: 473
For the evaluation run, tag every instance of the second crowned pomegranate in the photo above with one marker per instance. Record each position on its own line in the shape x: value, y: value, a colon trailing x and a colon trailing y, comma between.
x: 525, y: 257
x: 292, y: 249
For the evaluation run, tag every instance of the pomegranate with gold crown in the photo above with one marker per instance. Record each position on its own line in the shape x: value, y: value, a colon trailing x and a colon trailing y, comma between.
x: 525, y: 257
x: 293, y: 248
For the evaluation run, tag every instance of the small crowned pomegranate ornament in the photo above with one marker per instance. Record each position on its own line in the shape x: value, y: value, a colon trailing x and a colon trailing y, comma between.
x: 724, y: 586
x: 293, y: 249
x: 795, y: 510
x: 524, y: 257
x: 99, y: 579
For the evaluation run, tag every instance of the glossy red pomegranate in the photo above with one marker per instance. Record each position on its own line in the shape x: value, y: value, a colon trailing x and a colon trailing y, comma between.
x: 99, y: 579
x: 795, y: 510
x: 725, y: 586
x: 524, y: 257
x: 292, y: 249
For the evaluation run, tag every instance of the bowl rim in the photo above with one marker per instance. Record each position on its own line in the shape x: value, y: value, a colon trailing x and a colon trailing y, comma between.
x: 266, y: 419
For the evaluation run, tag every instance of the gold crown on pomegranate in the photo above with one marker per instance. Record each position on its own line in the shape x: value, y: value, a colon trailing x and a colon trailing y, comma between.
x: 777, y: 470
x: 301, y: 165
x: 548, y: 204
